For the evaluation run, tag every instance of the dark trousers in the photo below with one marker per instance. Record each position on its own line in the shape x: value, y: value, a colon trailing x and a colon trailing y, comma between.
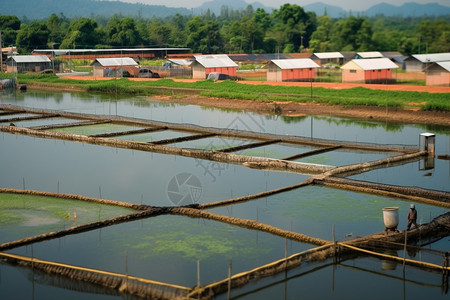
x: 410, y: 222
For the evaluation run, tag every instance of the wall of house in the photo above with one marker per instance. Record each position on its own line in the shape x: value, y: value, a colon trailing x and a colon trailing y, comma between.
x: 356, y: 76
x: 413, y: 66
x: 274, y: 74
x: 298, y: 74
x: 28, y: 67
x: 224, y: 70
x: 97, y: 71
x: 376, y: 75
x: 440, y: 78
x: 198, y: 71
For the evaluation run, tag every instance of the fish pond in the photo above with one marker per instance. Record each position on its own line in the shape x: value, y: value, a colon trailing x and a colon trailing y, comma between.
x: 188, y: 251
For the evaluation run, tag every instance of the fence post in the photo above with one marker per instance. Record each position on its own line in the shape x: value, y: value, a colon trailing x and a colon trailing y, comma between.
x: 229, y: 279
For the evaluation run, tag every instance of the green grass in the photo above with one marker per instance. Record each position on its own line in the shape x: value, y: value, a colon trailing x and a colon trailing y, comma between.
x: 234, y: 90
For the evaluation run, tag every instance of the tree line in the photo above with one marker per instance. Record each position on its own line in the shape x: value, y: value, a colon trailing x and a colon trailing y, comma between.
x: 288, y: 29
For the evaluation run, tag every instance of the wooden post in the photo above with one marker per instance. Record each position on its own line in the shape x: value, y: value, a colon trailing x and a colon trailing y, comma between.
x: 285, y: 254
x: 404, y: 251
x: 334, y: 244
x: 198, y: 273
x: 229, y: 279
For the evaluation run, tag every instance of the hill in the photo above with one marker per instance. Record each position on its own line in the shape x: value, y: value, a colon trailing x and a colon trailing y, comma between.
x: 409, y: 9
x: 33, y: 9
x: 215, y: 6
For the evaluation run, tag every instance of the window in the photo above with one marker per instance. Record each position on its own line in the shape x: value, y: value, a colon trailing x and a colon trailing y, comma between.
x: 352, y: 71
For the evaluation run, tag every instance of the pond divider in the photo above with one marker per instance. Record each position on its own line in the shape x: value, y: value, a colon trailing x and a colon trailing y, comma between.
x: 142, y: 287
x: 150, y: 212
x: 313, y: 152
x: 7, y: 113
x: 128, y: 132
x: 124, y: 283
x: 255, y: 196
x: 43, y: 116
x: 235, y: 133
x: 282, y: 265
x: 74, y: 197
x: 68, y: 125
x: 245, y: 223
x: 432, y: 197
x: 248, y: 146
x: 183, y: 139
x: 250, y: 161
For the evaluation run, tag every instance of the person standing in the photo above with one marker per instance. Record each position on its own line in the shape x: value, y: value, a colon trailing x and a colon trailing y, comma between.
x: 412, y: 217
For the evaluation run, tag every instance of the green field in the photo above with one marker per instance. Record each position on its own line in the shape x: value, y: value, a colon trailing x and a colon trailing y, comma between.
x: 234, y: 90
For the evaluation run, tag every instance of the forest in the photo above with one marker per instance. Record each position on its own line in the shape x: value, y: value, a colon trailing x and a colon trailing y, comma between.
x: 288, y: 29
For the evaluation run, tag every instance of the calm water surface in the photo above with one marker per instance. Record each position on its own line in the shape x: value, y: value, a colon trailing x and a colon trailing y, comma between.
x: 167, y: 248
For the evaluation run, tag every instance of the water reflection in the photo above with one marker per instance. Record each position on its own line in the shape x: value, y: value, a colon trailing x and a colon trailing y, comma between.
x: 316, y: 127
x: 121, y: 174
x: 139, y: 177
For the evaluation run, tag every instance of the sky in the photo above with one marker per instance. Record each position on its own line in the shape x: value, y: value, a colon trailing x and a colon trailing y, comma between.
x: 354, y: 5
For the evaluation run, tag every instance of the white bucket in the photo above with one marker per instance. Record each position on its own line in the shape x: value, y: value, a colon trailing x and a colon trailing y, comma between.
x: 390, y: 217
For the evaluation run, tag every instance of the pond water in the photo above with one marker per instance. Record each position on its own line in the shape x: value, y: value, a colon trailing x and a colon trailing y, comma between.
x: 314, y: 210
x: 167, y: 248
x: 362, y: 278
x: 125, y: 175
x: 29, y: 215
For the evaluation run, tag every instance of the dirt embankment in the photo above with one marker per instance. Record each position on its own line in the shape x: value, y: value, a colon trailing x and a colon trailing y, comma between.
x: 287, y: 108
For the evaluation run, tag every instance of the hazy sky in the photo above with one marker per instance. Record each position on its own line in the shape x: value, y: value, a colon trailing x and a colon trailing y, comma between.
x: 355, y: 5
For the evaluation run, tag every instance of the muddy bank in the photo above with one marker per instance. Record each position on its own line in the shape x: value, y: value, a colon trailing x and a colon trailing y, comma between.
x: 294, y: 109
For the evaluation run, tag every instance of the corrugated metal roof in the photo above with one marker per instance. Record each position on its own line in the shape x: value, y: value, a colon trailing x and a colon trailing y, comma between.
x: 432, y: 57
x: 370, y: 64
x: 445, y: 65
x: 370, y: 54
x: 295, y: 63
x: 327, y: 55
x: 181, y: 62
x: 31, y: 58
x: 215, y: 61
x: 116, y: 61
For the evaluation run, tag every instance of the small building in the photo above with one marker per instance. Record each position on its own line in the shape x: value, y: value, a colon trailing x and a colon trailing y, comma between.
x: 438, y: 74
x: 5, y: 53
x: 396, y: 57
x: 369, y: 54
x: 28, y: 63
x: 300, y: 69
x: 205, y: 64
x: 420, y: 62
x: 371, y: 70
x: 115, y: 67
x: 324, y: 58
